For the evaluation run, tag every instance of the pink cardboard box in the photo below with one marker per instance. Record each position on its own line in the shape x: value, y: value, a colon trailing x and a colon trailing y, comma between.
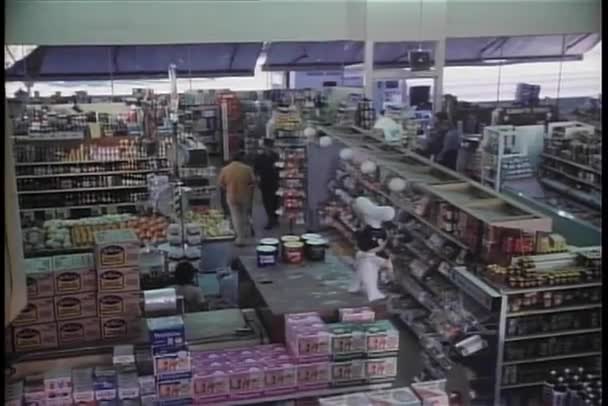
x: 309, y: 344
x: 246, y: 382
x: 357, y: 314
x: 381, y: 368
x: 78, y: 331
x: 313, y: 376
x: 36, y: 311
x: 432, y: 393
x: 280, y: 378
x: 211, y: 386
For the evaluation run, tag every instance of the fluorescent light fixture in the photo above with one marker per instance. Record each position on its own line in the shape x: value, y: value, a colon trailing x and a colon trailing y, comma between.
x: 564, y: 214
x: 494, y: 60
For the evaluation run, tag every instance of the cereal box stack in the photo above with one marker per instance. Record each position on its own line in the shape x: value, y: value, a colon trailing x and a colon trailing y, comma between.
x: 118, y: 296
x: 171, y: 360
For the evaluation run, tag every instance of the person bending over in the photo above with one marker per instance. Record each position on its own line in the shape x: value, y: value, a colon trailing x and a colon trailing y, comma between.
x: 186, y: 286
x: 268, y: 176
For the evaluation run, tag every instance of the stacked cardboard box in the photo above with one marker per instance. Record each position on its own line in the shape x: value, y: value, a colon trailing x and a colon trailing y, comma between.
x: 118, y: 286
x: 62, y: 307
x: 79, y: 298
x: 357, y: 350
x: 171, y: 360
x: 75, y: 300
x: 35, y: 328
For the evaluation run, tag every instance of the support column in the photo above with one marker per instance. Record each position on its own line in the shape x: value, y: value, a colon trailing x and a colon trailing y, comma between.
x: 368, y: 69
x: 439, y: 65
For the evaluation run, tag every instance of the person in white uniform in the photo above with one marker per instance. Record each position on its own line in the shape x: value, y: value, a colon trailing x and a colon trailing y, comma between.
x: 371, y: 241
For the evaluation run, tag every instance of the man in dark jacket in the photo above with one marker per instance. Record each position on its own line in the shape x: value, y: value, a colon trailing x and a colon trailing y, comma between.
x: 434, y: 144
x: 268, y: 175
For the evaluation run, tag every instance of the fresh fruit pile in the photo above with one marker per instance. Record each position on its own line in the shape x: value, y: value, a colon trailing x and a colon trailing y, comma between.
x: 80, y: 233
x: 211, y: 221
x: 150, y: 228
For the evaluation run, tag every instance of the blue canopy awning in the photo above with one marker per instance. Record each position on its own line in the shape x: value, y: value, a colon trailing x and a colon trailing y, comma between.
x: 325, y: 55
x: 332, y: 55
x: 72, y: 63
x: 488, y: 50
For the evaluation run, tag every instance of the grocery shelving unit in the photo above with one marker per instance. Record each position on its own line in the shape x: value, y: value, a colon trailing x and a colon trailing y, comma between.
x: 293, y: 180
x: 256, y: 114
x: 111, y: 182
x: 503, y: 156
x: 292, y: 147
x: 571, y: 162
x: 431, y: 276
x: 583, y: 316
x: 494, y: 211
x: 203, y: 121
x: 430, y: 185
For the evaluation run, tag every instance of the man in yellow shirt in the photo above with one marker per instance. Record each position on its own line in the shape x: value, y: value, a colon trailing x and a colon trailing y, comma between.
x: 238, y: 181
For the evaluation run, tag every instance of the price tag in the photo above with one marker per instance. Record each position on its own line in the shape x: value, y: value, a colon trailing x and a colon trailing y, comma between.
x: 112, y: 209
x: 95, y: 211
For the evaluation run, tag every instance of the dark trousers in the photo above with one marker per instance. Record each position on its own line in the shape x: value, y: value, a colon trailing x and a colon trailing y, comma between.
x: 224, y: 203
x: 449, y: 159
x: 271, y: 203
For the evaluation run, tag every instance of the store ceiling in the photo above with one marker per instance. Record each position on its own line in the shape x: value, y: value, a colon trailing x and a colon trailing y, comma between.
x: 72, y: 63
x: 65, y: 63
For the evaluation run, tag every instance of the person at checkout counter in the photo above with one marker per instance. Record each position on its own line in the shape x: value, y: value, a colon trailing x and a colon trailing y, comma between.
x: 186, y: 287
x: 444, y: 142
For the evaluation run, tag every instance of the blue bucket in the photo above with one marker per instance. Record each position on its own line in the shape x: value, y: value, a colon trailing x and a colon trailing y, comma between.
x: 267, y: 255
